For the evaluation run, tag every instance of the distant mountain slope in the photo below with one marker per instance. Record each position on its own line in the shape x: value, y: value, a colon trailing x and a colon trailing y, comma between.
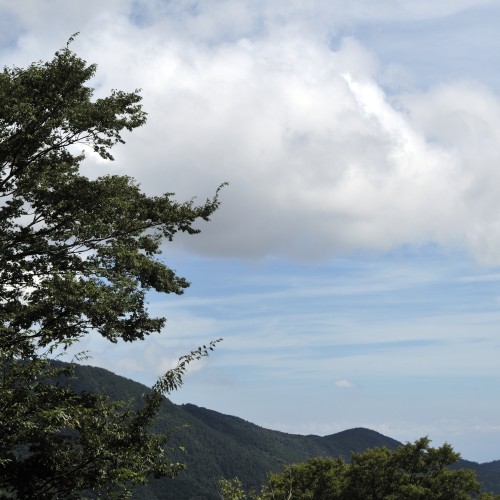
x: 221, y: 445
x: 488, y: 473
x: 288, y: 448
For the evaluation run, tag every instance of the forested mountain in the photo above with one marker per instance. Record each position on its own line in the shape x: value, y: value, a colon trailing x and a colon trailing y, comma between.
x: 219, y: 445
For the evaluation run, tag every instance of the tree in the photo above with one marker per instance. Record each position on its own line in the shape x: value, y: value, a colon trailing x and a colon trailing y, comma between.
x: 414, y: 471
x: 55, y: 443
x: 317, y: 479
x: 77, y: 255
x: 231, y: 489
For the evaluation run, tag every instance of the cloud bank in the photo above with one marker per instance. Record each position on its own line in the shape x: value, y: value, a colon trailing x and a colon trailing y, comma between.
x: 320, y: 159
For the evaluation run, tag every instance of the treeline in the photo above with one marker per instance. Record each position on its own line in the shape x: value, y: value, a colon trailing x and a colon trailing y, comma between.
x: 414, y: 471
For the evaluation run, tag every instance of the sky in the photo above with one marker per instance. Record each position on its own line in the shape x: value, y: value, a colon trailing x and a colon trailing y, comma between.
x: 353, y: 268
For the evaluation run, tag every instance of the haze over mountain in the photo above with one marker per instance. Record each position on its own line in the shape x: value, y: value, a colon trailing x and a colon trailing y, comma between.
x: 219, y: 445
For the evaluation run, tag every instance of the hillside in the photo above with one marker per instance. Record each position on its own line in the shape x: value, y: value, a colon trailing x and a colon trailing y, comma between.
x: 220, y: 445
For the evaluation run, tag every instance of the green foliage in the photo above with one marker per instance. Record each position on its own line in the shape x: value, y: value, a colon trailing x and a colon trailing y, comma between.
x: 77, y: 255
x: 58, y: 442
x: 65, y: 442
x: 231, y: 489
x: 414, y: 471
x: 317, y: 479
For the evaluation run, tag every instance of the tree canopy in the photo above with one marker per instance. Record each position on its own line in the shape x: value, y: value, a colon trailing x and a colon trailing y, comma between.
x: 414, y: 471
x: 77, y: 255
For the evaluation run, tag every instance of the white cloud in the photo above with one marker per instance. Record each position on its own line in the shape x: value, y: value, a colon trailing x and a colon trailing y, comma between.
x: 345, y: 384
x: 319, y: 159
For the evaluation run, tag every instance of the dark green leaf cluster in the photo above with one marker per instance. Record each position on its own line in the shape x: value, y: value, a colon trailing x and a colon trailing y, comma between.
x: 77, y: 255
x: 414, y: 471
x: 57, y: 443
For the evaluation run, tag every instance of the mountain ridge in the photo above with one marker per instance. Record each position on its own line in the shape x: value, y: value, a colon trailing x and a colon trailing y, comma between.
x: 220, y: 445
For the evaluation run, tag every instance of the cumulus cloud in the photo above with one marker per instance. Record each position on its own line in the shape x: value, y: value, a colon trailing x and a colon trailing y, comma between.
x: 319, y: 159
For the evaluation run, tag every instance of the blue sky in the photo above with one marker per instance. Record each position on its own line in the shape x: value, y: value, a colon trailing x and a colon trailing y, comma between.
x: 353, y: 268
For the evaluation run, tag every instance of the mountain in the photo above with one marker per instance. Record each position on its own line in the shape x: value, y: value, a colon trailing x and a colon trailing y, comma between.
x: 221, y: 445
